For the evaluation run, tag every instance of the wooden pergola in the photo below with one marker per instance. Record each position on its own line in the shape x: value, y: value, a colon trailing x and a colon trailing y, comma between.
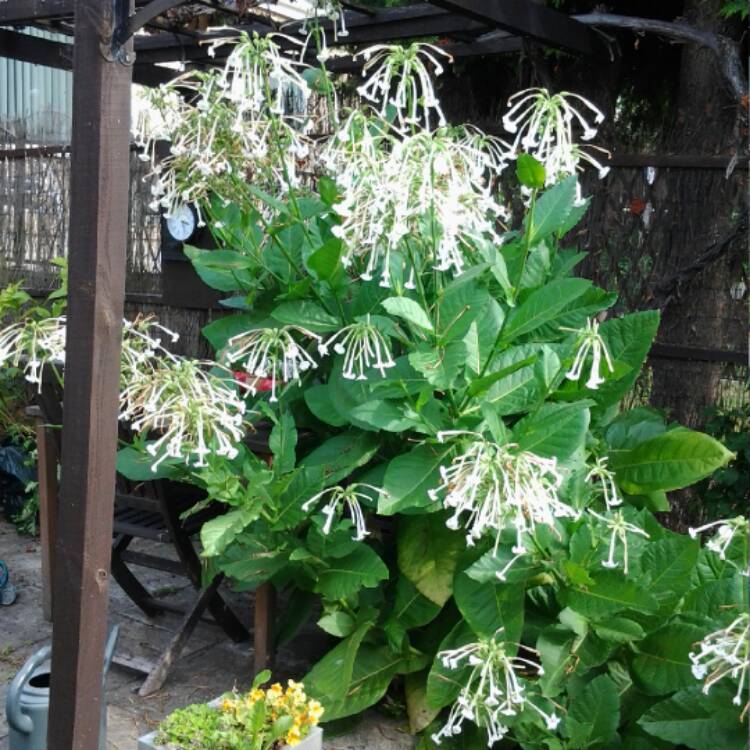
x: 106, y: 55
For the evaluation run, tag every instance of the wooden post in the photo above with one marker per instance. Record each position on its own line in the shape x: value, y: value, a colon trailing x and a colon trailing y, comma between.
x: 263, y: 636
x: 97, y: 244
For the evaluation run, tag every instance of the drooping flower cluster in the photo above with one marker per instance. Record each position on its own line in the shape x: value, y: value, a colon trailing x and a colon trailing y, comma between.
x: 191, y: 412
x: 337, y: 498
x: 618, y: 529
x: 32, y: 344
x: 606, y: 478
x: 363, y: 347
x: 543, y: 125
x: 226, y: 128
x: 401, y: 78
x: 393, y: 186
x: 490, y: 486
x: 495, y: 691
x: 725, y: 653
x: 589, y: 339
x: 272, y: 353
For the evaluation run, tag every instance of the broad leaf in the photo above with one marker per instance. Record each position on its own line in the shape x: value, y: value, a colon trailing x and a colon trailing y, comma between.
x: 594, y: 714
x: 307, y: 315
x: 347, y: 575
x: 555, y: 430
x: 408, y: 310
x: 487, y: 607
x: 408, y: 479
x: 610, y: 593
x: 669, y: 461
x: 553, y: 209
x: 428, y: 552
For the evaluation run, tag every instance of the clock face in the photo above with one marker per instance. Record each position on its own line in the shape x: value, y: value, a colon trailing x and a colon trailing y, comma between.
x: 181, y: 224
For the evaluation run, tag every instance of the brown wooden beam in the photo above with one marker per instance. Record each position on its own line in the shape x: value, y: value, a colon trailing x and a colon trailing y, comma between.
x: 31, y: 49
x: 529, y: 19
x: 98, y: 230
x: 697, y: 354
x: 31, y: 11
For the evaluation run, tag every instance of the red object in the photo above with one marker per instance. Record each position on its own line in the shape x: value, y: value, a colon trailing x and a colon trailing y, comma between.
x: 264, y: 384
x: 240, y: 376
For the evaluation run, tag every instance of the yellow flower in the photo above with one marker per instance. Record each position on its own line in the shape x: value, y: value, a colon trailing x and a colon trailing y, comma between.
x: 315, y: 710
x: 293, y: 736
x: 227, y: 705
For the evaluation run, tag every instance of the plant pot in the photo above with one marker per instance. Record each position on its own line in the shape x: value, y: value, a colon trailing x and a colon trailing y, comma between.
x: 313, y: 741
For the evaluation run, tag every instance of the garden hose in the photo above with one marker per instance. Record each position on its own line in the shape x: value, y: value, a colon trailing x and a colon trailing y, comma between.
x: 7, y: 589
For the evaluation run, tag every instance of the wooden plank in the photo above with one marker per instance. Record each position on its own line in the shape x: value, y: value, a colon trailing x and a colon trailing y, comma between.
x: 98, y: 231
x: 20, y: 11
x: 529, y: 19
x: 47, y: 458
x: 698, y: 354
x: 263, y: 631
x: 26, y: 48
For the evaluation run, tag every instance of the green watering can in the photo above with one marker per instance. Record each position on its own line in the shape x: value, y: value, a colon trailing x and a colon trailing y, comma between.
x: 27, y: 702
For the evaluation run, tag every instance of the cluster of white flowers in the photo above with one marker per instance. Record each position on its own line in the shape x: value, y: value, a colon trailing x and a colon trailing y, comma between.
x: 391, y: 185
x: 192, y: 412
x: 32, y: 344
x: 337, y: 498
x: 233, y: 131
x: 589, y: 339
x: 496, y: 486
x: 401, y: 78
x: 543, y: 125
x: 333, y: 10
x: 494, y: 691
x: 272, y: 353
x: 726, y: 531
x: 725, y: 653
x: 618, y: 529
x: 363, y: 347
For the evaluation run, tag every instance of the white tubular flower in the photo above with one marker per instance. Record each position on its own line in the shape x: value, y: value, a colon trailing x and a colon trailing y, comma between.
x: 337, y: 497
x: 272, y: 353
x: 494, y: 691
x: 619, y: 529
x: 192, y: 412
x: 543, y: 125
x: 726, y: 530
x: 589, y: 339
x: 497, y: 485
x: 725, y: 653
x: 33, y: 344
x: 402, y: 77
x: 363, y: 347
x: 599, y: 472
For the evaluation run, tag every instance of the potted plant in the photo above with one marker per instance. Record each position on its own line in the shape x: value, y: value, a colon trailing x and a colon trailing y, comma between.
x: 262, y: 719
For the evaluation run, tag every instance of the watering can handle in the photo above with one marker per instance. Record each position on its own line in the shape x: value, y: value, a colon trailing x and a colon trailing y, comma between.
x: 16, y: 718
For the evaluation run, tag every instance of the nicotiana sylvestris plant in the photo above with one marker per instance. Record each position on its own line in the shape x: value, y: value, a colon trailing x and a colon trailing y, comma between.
x: 453, y: 478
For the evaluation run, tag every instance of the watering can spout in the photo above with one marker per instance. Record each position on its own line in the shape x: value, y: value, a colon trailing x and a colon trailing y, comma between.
x: 109, y: 649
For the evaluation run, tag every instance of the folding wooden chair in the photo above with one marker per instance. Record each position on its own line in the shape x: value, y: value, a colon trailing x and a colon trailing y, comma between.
x: 147, y: 510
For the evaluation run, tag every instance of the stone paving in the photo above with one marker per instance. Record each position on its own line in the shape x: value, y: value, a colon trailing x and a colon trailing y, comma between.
x: 209, y: 665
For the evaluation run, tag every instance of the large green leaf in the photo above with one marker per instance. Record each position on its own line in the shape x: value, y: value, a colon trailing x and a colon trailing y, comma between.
x: 697, y: 721
x: 610, y: 593
x: 419, y: 713
x: 319, y: 400
x: 553, y: 209
x: 382, y: 415
x: 282, y: 442
x: 332, y: 675
x: 225, y: 270
x: 220, y: 331
x: 440, y: 366
x: 218, y: 533
x: 428, y: 553
x: 136, y: 466
x: 555, y: 430
x: 669, y: 461
x: 726, y: 596
x: 669, y: 563
x: 541, y: 306
x: 362, y: 568
x: 662, y: 664
x: 530, y: 172
x: 412, y: 609
x: 409, y: 477
x: 487, y: 607
x: 408, y: 310
x: 593, y: 715
x: 307, y: 315
x: 522, y: 381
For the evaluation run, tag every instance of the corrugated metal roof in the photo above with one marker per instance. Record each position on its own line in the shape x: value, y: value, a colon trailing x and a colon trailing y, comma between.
x: 35, y: 101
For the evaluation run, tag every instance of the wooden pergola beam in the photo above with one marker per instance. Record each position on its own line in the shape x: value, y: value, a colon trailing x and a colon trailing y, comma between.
x: 97, y: 256
x: 32, y: 11
x: 31, y: 49
x: 531, y: 20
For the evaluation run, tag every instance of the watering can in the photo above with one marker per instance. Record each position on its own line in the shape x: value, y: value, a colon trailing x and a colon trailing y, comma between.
x: 27, y: 702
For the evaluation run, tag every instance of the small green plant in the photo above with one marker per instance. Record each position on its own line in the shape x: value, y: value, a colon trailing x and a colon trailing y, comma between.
x: 257, y: 720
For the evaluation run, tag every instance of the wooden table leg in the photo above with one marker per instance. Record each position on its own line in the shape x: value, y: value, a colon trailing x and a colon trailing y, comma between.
x: 47, y: 460
x: 263, y: 638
